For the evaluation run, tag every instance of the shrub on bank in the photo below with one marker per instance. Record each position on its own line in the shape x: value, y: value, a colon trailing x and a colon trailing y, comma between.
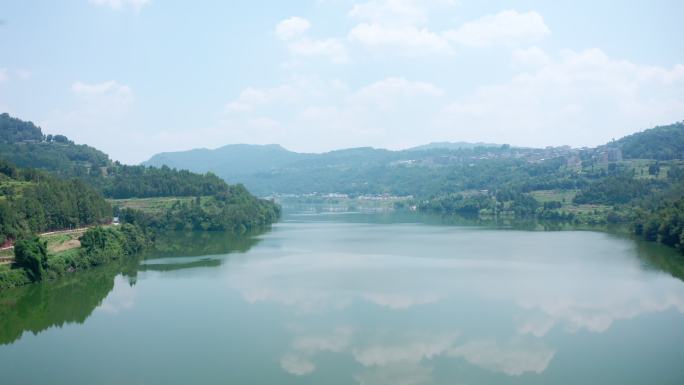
x: 99, y: 245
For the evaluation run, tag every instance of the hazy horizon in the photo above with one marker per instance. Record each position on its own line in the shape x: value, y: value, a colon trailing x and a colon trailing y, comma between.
x: 138, y: 77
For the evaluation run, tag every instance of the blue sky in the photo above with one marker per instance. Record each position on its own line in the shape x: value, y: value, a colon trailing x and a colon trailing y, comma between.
x: 136, y: 77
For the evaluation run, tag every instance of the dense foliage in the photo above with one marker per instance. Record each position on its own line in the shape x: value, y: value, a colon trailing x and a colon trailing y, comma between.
x: 31, y: 255
x: 617, y: 189
x: 34, y: 202
x: 665, y: 224
x: 146, y: 182
x: 100, y: 245
x: 64, y: 189
x: 234, y: 210
x: 13, y: 130
x: 661, y: 143
x: 24, y: 144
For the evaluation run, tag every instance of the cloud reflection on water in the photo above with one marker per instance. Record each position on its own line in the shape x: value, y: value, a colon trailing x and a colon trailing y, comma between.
x: 502, y: 279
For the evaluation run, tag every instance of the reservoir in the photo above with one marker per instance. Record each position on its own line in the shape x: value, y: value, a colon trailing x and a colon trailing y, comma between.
x: 358, y: 298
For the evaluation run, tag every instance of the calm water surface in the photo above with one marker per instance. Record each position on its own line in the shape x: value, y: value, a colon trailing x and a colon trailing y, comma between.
x: 358, y: 299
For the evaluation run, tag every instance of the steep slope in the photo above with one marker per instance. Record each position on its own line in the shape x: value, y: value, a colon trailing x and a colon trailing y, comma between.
x: 24, y: 144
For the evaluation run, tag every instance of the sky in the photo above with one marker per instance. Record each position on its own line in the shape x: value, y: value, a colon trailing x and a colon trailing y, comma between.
x: 138, y: 77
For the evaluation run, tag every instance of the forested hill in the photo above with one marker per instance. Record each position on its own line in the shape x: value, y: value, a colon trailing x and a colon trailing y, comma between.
x: 67, y: 185
x: 66, y: 188
x: 661, y: 143
x: 24, y: 145
x: 423, y: 171
x: 234, y: 159
x: 33, y: 201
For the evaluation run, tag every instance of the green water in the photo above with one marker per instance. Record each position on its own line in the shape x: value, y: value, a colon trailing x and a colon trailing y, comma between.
x: 358, y: 299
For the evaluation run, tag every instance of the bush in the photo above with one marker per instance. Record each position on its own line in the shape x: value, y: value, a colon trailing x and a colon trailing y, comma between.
x: 10, y: 278
x: 31, y: 254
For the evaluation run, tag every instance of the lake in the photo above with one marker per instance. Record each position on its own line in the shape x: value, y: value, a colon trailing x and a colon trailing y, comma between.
x: 352, y: 298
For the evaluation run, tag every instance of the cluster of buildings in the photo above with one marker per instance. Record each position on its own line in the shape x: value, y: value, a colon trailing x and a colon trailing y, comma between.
x: 573, y: 156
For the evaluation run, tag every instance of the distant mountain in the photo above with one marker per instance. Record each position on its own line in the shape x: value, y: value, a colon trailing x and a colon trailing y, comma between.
x: 420, y: 171
x: 271, y: 169
x: 233, y: 159
x: 451, y: 146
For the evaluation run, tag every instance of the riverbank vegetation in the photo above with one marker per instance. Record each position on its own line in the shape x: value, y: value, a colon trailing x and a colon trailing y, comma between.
x: 47, y: 182
x: 32, y: 201
x: 234, y: 210
x: 98, y: 246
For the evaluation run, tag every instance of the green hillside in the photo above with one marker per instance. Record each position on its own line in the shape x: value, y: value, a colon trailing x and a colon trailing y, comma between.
x: 234, y: 159
x: 430, y: 170
x: 25, y: 146
x: 67, y: 186
x: 32, y: 201
x: 662, y: 143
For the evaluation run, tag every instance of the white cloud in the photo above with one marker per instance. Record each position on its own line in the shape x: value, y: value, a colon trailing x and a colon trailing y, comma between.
x: 508, y: 27
x: 97, y: 111
x: 513, y: 358
x: 122, y: 297
x: 291, y: 28
x: 293, y: 32
x: 411, y: 348
x: 393, y: 87
x: 532, y: 57
x: 383, y: 354
x: 332, y: 49
x: 119, y: 4
x: 121, y: 92
x: 336, y: 342
x: 297, y: 365
x: 331, y: 114
x: 406, y: 40
x: 396, y: 12
x: 304, y: 347
x: 578, y: 98
x: 402, y: 25
x: 251, y: 97
x: 398, y: 26
x: 389, y: 92
x: 3, y: 75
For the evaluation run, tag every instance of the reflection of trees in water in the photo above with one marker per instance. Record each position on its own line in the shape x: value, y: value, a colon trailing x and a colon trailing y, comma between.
x: 39, y: 306
x: 661, y: 257
x: 190, y: 244
x: 655, y: 255
x: 72, y: 299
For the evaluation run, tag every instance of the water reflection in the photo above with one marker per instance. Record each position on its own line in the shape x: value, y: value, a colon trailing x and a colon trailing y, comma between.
x: 344, y: 298
x: 383, y: 353
x: 521, y: 286
x: 38, y: 307
x: 75, y: 297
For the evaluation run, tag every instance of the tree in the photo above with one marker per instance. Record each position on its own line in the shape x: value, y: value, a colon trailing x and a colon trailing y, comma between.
x: 31, y: 254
